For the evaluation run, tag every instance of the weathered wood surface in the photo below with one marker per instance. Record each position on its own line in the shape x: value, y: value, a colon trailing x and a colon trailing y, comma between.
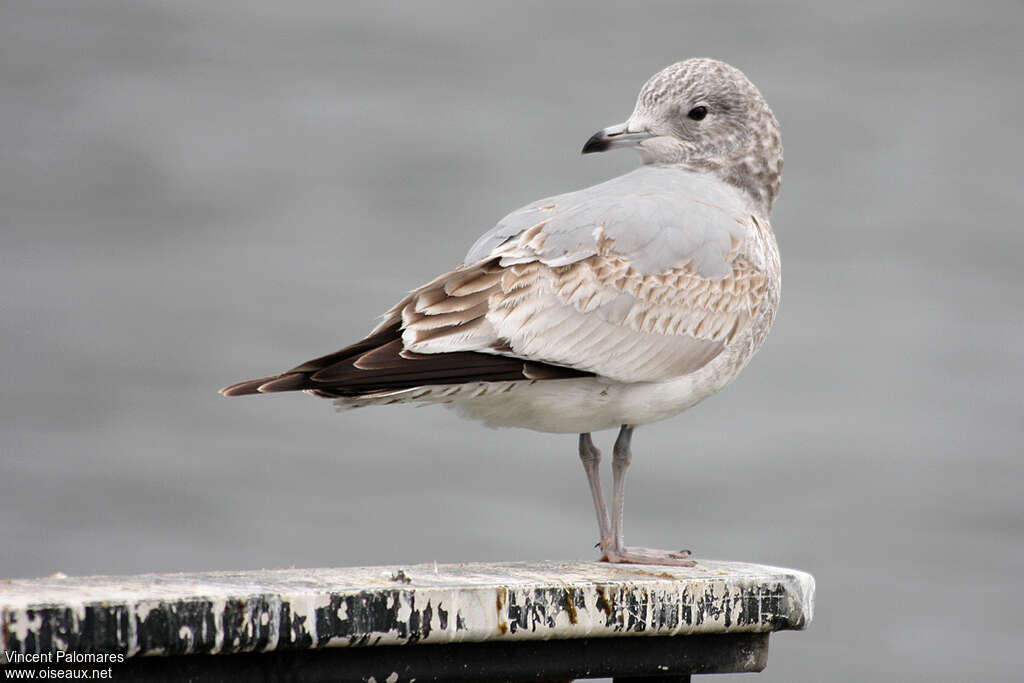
x: 295, y: 609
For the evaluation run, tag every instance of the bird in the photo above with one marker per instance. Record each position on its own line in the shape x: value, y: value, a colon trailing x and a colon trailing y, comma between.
x: 613, y: 306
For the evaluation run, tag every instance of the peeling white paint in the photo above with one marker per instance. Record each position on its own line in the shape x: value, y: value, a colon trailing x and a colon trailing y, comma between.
x: 404, y: 607
x: 132, y: 636
x: 21, y: 625
x: 272, y: 620
x: 607, y: 600
x: 143, y: 608
x: 218, y: 625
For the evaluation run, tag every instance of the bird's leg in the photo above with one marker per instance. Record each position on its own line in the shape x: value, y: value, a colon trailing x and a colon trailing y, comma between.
x: 617, y: 551
x: 591, y: 458
x: 622, y: 455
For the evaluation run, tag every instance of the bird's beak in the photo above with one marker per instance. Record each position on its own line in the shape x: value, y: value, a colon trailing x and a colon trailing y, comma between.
x: 615, y: 136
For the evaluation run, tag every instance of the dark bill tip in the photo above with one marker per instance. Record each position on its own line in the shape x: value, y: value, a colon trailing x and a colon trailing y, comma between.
x: 598, y: 142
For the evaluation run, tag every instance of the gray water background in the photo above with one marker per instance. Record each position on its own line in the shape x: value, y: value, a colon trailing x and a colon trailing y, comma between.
x: 194, y: 193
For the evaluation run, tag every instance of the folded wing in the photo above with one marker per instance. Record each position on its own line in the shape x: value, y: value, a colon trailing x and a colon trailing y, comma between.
x: 634, y: 280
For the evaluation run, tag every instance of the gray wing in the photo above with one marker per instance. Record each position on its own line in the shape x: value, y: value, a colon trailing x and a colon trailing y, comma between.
x: 641, y: 278
x: 656, y: 217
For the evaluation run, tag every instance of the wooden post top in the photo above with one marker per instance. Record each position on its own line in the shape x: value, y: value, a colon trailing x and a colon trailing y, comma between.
x: 295, y: 609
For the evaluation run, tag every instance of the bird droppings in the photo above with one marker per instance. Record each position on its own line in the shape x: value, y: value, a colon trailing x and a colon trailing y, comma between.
x: 602, y: 600
x: 570, y: 608
x: 660, y: 575
x: 500, y: 596
x: 225, y: 612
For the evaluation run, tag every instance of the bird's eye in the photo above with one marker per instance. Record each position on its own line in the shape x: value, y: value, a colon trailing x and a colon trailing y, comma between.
x: 698, y: 113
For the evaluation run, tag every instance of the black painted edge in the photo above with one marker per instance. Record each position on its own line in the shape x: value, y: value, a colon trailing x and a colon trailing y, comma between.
x: 492, y: 661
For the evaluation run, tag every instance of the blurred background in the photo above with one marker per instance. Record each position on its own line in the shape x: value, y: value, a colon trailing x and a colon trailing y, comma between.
x: 195, y: 193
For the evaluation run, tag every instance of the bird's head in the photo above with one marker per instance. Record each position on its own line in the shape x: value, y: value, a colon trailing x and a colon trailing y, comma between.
x: 706, y: 115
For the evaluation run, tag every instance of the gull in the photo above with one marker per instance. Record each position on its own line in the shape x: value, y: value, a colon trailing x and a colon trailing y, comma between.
x: 617, y: 305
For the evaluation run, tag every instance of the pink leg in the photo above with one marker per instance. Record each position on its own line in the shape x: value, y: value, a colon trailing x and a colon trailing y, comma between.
x: 617, y: 551
x: 591, y: 458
